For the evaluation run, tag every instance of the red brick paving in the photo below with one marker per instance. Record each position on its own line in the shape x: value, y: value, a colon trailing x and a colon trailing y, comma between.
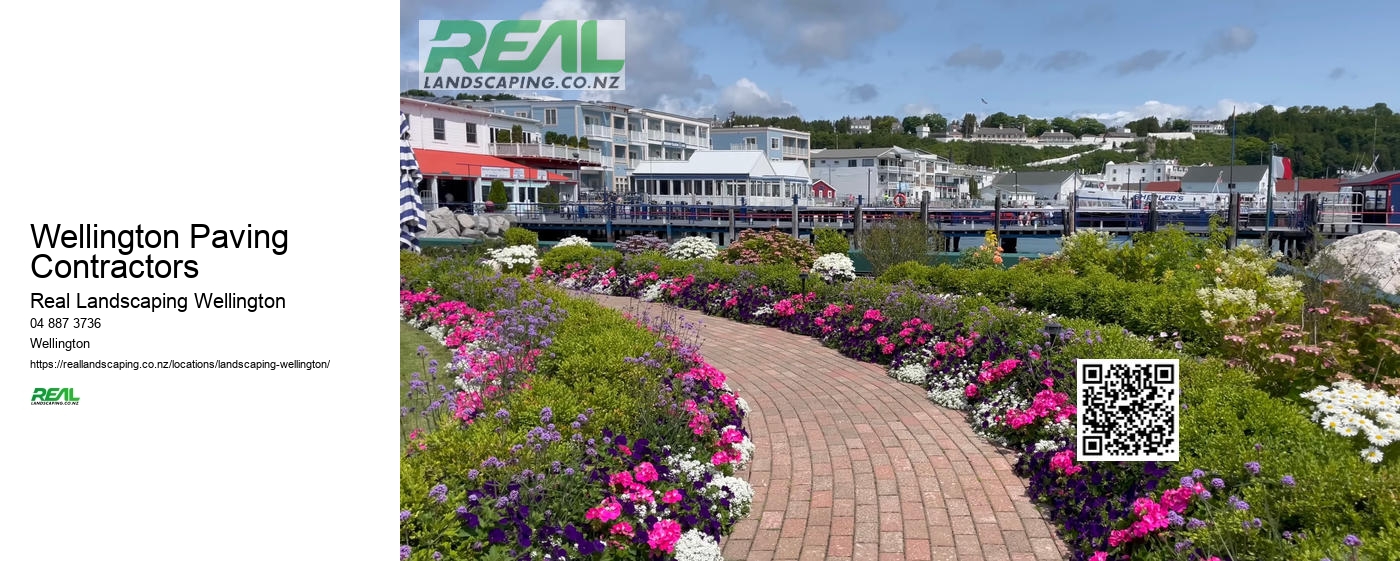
x: 852, y: 464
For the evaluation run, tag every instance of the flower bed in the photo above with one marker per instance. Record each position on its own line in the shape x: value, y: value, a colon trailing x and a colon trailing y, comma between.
x: 1272, y: 484
x: 569, y: 431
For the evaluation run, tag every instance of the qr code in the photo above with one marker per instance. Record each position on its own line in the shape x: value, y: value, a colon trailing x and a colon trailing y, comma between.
x: 1129, y: 410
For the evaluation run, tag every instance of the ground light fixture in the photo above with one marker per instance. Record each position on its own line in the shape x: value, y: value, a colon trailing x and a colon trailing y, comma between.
x: 1053, y: 328
x: 802, y: 274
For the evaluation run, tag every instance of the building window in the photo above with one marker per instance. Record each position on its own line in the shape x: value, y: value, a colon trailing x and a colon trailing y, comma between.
x: 439, y: 129
x: 851, y: 164
x: 551, y: 116
x: 524, y: 114
x: 868, y: 162
x: 619, y: 123
x: 774, y: 143
x: 471, y: 133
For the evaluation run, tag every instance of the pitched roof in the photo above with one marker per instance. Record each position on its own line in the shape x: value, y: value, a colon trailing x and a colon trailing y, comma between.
x: 752, y: 163
x: 1331, y: 185
x: 988, y: 131
x: 1027, y: 178
x: 839, y: 153
x: 1373, y: 178
x: 790, y: 168
x: 1208, y: 174
x: 1056, y: 134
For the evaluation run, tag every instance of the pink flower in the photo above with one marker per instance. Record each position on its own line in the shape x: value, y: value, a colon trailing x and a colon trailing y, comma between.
x: 664, y: 535
x: 622, y: 479
x: 970, y: 390
x: 1099, y: 556
x: 671, y: 497
x: 645, y: 473
x: 1117, y: 537
x: 1063, y: 461
x: 622, y: 528
x: 731, y: 436
x: 624, y: 450
x: 610, y: 509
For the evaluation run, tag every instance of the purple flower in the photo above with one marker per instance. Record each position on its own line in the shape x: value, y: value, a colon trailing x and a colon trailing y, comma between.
x: 438, y: 493
x: 1186, y: 481
x: 1183, y: 545
x: 437, y: 556
x: 1205, y: 494
x: 1218, y: 483
x: 1197, y: 474
x: 1287, y: 535
x: 1258, y: 447
x: 1288, y: 481
x: 405, y: 551
x: 1175, y: 519
x: 473, y: 474
x: 1238, y: 504
x: 423, y: 352
x: 1253, y: 467
x: 546, y: 415
x: 403, y: 516
x: 1195, y: 524
x: 502, y: 414
x: 1352, y: 541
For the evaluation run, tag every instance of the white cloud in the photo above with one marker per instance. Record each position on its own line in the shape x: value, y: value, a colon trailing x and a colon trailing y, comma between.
x: 1220, y: 110
x: 744, y: 97
x: 917, y: 109
x: 809, y: 34
x: 1230, y: 41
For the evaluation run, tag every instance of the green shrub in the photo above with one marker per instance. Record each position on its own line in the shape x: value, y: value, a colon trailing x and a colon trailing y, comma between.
x: 520, y: 236
x: 828, y: 240
x: 498, y: 193
x: 897, y: 241
x: 555, y: 259
x: 768, y: 247
x: 906, y: 271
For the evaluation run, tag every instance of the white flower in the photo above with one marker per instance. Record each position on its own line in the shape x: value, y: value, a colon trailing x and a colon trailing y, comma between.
x: 693, y: 247
x: 834, y: 267
x: 1347, y: 430
x: 763, y: 311
x: 574, y: 240
x: 1372, y: 455
x: 743, y: 405
x: 1378, y: 438
x: 513, y: 257
x: 1046, y: 445
x: 740, y: 493
x: 913, y: 373
x: 651, y: 293
x: 697, y: 546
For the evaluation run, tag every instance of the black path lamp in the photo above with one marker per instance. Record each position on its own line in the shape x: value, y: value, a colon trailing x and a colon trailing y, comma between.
x: 802, y: 274
x: 1054, y: 329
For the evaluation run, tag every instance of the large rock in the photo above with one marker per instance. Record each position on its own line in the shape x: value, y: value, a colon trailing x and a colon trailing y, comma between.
x: 445, y: 221
x: 474, y: 234
x: 1374, y: 255
x: 493, y: 225
x: 466, y: 222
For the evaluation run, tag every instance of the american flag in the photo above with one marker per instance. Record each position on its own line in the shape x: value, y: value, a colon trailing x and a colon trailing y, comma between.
x: 412, y: 220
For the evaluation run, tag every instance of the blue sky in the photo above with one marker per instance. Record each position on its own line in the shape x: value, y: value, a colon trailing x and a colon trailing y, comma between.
x: 824, y: 59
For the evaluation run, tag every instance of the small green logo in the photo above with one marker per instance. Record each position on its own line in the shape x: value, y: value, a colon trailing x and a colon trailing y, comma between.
x: 53, y: 396
x: 522, y: 54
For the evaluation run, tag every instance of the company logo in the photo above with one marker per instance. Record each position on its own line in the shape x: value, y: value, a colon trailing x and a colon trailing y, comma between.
x: 527, y: 54
x: 53, y: 396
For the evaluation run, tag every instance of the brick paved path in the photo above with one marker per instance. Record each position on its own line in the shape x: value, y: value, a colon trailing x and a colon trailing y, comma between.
x: 852, y: 464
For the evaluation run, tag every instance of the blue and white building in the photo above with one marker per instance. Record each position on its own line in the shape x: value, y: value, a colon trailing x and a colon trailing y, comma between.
x: 626, y: 135
x: 724, y: 177
x: 776, y: 143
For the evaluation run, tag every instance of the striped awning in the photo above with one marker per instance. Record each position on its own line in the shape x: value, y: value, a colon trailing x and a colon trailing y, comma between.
x: 412, y: 220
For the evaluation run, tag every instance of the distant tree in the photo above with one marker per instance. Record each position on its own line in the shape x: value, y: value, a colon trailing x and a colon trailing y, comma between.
x: 1091, y: 126
x: 583, y: 143
x: 843, y: 125
x: 884, y: 123
x: 517, y: 134
x: 1180, y: 125
x: 1022, y: 122
x: 972, y: 188
x: 502, y: 136
x: 911, y: 122
x: 551, y: 137
x: 416, y: 93
x: 998, y: 119
x: 969, y: 125
x: 571, y: 141
x: 1037, y: 127
x: 1065, y: 124
x: 936, y: 123
x: 1145, y: 125
x: 890, y: 243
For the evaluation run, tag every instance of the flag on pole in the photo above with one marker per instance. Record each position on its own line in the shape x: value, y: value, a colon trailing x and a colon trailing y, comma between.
x: 1283, y: 168
x: 412, y: 220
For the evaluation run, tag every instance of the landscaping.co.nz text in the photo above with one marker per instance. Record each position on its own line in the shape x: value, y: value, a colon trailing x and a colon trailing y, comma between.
x: 182, y: 364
